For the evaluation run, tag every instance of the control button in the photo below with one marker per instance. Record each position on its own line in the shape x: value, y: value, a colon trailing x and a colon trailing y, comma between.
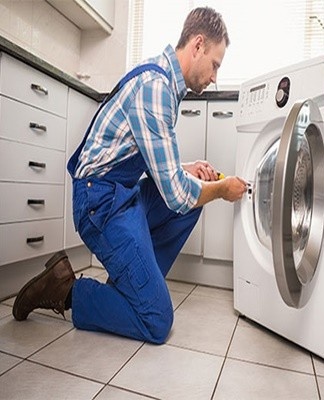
x: 282, y: 94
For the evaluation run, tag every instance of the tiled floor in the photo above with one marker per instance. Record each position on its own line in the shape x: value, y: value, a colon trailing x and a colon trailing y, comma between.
x: 211, y: 354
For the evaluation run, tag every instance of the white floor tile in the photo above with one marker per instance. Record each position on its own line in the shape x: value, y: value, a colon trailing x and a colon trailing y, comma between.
x: 30, y: 381
x: 180, y: 287
x: 245, y: 381
x: 252, y: 342
x: 52, y: 314
x: 7, y: 362
x: 25, y: 337
x: 72, y: 364
x: 111, y: 393
x: 321, y: 386
x: 5, y: 310
x: 177, y: 298
x: 319, y: 366
x: 92, y: 355
x: 219, y: 294
x: 170, y: 373
x: 204, y: 323
x: 9, y: 302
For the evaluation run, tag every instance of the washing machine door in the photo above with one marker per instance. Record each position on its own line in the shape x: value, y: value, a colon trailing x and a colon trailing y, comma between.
x: 297, y: 216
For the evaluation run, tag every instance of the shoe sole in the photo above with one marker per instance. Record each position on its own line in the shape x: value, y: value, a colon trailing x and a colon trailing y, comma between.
x: 49, y: 265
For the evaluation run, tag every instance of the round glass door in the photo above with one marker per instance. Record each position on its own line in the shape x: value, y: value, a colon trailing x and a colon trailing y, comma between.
x: 296, y: 215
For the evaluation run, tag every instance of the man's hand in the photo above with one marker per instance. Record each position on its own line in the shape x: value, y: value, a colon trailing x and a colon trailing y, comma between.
x: 201, y: 170
x: 232, y: 188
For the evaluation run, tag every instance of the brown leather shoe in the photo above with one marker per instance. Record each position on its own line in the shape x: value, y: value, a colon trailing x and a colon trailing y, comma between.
x: 48, y: 290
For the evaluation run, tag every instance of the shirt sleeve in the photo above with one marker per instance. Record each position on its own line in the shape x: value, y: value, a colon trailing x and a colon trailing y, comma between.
x: 151, y: 119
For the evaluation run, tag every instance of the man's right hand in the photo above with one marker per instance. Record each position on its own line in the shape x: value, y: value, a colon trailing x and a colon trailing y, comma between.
x: 234, y: 188
x: 231, y: 188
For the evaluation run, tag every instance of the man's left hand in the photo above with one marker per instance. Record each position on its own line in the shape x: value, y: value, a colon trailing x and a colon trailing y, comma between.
x: 202, y: 170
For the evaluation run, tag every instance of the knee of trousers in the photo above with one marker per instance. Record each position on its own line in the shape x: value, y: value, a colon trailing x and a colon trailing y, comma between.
x: 159, y: 324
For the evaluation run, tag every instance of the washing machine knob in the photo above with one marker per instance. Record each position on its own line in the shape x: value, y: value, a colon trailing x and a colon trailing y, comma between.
x: 282, y: 93
x: 281, y: 97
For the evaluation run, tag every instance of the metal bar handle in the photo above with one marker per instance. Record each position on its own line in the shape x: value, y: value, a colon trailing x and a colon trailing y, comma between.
x: 223, y: 114
x: 32, y: 202
x: 190, y: 112
x: 35, y: 125
x: 36, y: 239
x: 36, y: 164
x: 39, y: 88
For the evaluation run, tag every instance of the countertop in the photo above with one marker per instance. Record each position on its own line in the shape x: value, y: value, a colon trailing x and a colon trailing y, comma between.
x: 43, y: 66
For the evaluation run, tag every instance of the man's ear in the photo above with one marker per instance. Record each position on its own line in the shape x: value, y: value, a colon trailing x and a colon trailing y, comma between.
x: 197, y: 44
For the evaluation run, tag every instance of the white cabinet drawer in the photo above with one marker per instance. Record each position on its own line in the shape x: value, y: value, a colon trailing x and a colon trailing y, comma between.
x: 26, y: 163
x: 25, y: 202
x: 28, y: 124
x: 25, y: 240
x: 31, y: 86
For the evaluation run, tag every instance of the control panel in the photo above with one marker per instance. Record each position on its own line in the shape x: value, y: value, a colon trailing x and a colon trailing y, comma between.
x: 271, y: 96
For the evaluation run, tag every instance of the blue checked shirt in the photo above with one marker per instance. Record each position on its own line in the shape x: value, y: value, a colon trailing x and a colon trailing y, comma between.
x: 141, y: 118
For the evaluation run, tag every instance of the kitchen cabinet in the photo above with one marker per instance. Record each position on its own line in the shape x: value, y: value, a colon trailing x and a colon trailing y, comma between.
x: 41, y: 122
x: 80, y: 112
x: 220, y: 152
x: 32, y: 155
x: 191, y: 136
x: 206, y: 130
x: 88, y: 14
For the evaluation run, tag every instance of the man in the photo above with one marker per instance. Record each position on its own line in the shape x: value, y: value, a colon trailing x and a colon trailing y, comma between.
x: 137, y: 226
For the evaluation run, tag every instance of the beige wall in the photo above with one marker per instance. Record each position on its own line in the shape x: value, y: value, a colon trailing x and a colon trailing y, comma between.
x: 36, y: 26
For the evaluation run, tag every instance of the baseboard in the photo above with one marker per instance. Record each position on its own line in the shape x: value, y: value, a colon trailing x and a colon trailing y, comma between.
x: 199, y: 270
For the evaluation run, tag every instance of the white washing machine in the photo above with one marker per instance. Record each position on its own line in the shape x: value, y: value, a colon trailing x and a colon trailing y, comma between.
x: 278, y: 225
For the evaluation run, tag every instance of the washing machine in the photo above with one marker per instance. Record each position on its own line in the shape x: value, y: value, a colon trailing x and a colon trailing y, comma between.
x: 278, y: 225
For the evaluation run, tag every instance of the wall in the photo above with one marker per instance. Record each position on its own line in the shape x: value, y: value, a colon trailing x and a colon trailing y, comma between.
x: 37, y: 27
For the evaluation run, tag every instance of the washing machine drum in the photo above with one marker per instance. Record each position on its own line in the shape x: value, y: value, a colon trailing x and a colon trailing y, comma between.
x: 289, y: 201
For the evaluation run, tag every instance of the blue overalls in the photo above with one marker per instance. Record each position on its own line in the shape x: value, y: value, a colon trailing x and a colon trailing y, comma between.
x: 125, y: 222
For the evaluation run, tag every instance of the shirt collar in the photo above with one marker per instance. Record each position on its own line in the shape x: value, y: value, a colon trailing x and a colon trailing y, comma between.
x: 177, y: 76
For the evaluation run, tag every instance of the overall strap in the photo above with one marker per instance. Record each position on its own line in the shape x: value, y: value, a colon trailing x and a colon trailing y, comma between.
x: 131, y: 74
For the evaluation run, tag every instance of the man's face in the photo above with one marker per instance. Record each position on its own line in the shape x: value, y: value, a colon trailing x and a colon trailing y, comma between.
x: 205, y: 65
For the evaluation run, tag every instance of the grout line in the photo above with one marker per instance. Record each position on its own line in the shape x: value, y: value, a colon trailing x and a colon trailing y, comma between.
x: 19, y: 361
x: 315, y: 375
x: 225, y: 357
x: 131, y: 391
x: 193, y: 350
x: 187, y: 295
x: 65, y: 372
x: 126, y: 362
x: 270, y: 366
x: 49, y: 343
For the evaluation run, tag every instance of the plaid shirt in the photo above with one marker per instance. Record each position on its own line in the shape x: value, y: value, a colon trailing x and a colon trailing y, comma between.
x: 141, y: 118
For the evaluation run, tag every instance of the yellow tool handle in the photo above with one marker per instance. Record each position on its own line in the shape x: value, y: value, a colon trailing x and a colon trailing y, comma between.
x: 220, y: 175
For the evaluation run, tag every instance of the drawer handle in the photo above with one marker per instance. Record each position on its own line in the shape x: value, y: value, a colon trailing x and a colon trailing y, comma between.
x: 36, y: 164
x: 223, y: 114
x: 39, y: 88
x: 35, y: 125
x: 32, y: 202
x: 36, y: 239
x: 188, y: 113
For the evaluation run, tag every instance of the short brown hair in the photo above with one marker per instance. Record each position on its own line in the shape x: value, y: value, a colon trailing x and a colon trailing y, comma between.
x: 205, y: 21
